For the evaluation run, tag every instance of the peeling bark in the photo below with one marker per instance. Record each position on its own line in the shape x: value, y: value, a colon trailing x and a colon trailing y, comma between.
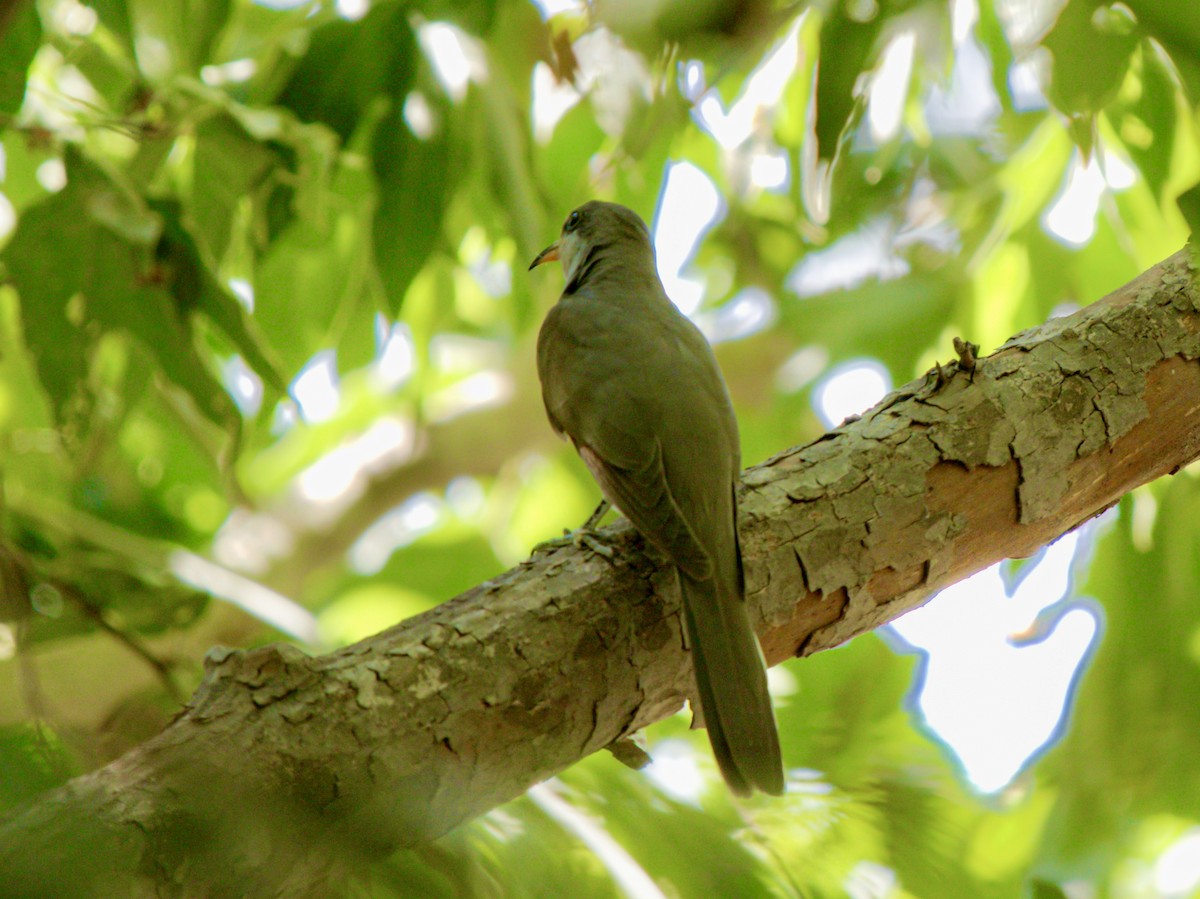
x: 282, y: 766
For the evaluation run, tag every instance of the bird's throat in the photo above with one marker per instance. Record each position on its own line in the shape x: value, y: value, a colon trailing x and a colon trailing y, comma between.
x: 599, y: 264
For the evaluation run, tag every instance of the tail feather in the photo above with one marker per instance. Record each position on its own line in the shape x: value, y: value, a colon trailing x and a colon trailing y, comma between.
x: 731, y: 680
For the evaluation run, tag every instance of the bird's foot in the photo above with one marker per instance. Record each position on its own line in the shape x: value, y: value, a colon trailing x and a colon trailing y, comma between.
x: 581, y: 538
x: 584, y: 537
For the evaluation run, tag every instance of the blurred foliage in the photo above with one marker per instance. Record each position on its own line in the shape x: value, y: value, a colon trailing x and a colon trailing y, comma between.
x: 264, y: 321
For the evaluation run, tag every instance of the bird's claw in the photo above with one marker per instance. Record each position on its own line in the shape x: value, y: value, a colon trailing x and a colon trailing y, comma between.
x: 593, y: 541
x: 581, y: 538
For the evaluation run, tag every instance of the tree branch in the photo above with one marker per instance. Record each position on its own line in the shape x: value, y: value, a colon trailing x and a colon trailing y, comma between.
x: 282, y: 764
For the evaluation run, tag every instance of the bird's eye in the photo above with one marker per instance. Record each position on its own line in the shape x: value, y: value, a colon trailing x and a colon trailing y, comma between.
x: 572, y: 221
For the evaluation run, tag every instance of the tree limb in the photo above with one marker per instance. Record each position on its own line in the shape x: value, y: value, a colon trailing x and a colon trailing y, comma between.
x: 283, y: 764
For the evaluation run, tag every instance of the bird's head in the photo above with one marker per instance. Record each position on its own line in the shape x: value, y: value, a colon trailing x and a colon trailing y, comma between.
x: 597, y: 226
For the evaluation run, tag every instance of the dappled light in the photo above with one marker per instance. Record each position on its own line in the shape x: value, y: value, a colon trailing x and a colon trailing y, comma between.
x: 850, y: 390
x: 996, y: 677
x: 1177, y: 870
x: 1072, y: 215
x: 688, y: 207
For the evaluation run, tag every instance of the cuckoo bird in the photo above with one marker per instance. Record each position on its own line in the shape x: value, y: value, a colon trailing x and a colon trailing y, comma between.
x: 635, y: 386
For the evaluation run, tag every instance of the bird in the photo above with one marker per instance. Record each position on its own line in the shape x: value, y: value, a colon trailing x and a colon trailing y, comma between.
x: 634, y: 385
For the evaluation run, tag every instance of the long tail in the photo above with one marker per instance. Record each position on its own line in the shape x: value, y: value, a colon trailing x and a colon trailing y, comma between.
x: 732, y: 682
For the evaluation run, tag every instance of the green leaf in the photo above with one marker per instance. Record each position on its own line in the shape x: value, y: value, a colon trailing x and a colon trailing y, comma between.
x: 576, y: 139
x: 1189, y: 205
x: 846, y: 46
x: 865, y: 319
x: 349, y: 65
x: 107, y: 59
x: 1044, y: 889
x: 70, y: 299
x: 22, y: 158
x: 33, y: 761
x: 1175, y: 24
x: 228, y: 166
x: 1150, y: 139
x: 1132, y: 743
x: 791, y: 123
x: 653, y: 833
x: 504, y: 130
x: 114, y: 16
x: 991, y: 34
x: 19, y: 42
x: 174, y: 37
x: 311, y: 286
x: 82, y: 570
x: 415, y: 180
x: 1091, y: 45
x: 195, y: 288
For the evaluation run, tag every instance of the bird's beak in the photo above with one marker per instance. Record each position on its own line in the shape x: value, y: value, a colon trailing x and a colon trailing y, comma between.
x: 547, y: 255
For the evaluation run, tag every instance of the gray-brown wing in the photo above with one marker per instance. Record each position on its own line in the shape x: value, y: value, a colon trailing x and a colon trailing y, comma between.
x: 644, y: 497
x: 617, y: 379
